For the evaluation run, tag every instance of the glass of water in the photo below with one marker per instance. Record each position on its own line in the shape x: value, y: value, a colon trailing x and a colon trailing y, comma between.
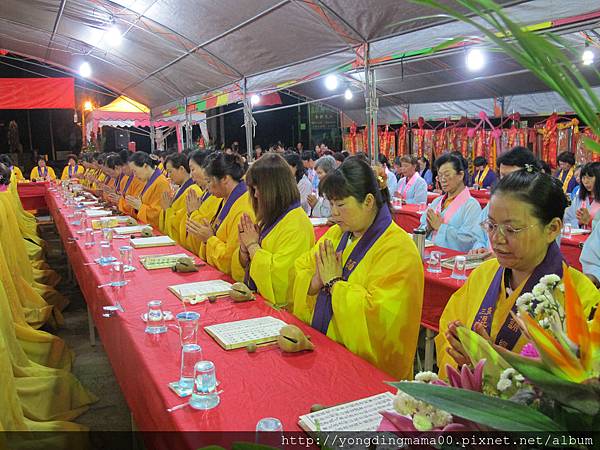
x: 155, y: 321
x: 459, y: 272
x: 435, y: 262
x: 188, y: 327
x: 204, y: 393
x: 104, y: 253
x: 567, y: 231
x: 269, y: 431
x: 117, y: 274
x: 191, y: 354
x: 90, y: 240
x: 126, y: 252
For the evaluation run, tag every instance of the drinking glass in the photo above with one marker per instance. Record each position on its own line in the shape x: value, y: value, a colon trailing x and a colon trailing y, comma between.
x: 269, y: 432
x: 90, y: 240
x: 126, y: 252
x: 459, y: 272
x: 435, y: 262
x: 204, y: 394
x: 269, y: 424
x: 191, y: 354
x: 567, y: 231
x: 188, y: 327
x: 155, y: 322
x: 105, y: 257
x: 117, y: 274
x: 78, y: 215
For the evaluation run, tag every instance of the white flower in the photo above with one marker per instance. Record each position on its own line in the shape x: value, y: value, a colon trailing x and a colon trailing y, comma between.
x: 561, y: 288
x: 540, y: 308
x: 539, y: 290
x: 405, y: 404
x: 550, y: 280
x: 440, y: 418
x: 525, y: 300
x: 426, y: 377
x: 503, y: 384
x: 545, y: 323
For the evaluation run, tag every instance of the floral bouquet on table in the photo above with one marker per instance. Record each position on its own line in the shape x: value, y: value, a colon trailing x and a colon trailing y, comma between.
x: 552, y: 385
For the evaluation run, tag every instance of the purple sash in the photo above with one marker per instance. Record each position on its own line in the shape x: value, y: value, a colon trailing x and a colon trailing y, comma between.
x: 152, y: 179
x: 205, y: 196
x: 129, y: 180
x: 118, y: 184
x: 510, y: 332
x: 45, y: 172
x: 237, y: 192
x: 71, y: 170
x: 324, y: 309
x: 183, y: 188
x: 248, y: 281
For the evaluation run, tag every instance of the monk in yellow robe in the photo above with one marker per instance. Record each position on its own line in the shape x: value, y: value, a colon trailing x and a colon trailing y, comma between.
x: 370, y: 298
x: 71, y: 169
x: 15, y: 171
x: 174, y: 207
x: 42, y: 172
x: 264, y: 261
x: 146, y: 206
x: 220, y: 237
x: 525, y: 218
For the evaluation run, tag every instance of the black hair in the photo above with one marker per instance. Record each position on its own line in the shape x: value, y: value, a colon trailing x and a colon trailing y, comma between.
x: 544, y: 167
x: 354, y: 178
x: 458, y: 162
x: 178, y: 160
x: 542, y: 191
x: 113, y: 160
x: 427, y: 165
x: 307, y: 155
x: 199, y: 157
x: 590, y: 170
x: 339, y: 157
x: 517, y: 156
x: 141, y: 158
x: 383, y: 160
x: 294, y: 160
x: 41, y: 158
x: 362, y: 156
x: 124, y: 155
x: 73, y: 157
x: 480, y: 161
x: 220, y: 164
x: 4, y: 174
x: 5, y: 159
x: 566, y: 157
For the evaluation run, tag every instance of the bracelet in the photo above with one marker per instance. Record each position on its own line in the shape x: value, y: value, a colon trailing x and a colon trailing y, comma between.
x: 329, y: 285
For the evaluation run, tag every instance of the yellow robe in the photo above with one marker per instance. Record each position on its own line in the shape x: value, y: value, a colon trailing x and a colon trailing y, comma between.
x: 377, y: 312
x: 150, y: 210
x: 171, y: 218
x: 17, y: 174
x: 207, y: 210
x: 35, y: 174
x: 135, y: 188
x: 465, y: 303
x: 272, y: 267
x: 65, y: 172
x: 219, y: 248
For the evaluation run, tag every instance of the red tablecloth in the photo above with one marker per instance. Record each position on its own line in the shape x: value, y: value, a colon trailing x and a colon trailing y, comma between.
x: 407, y: 217
x: 481, y: 195
x: 571, y: 249
x: 33, y: 195
x: 263, y: 384
x: 431, y: 196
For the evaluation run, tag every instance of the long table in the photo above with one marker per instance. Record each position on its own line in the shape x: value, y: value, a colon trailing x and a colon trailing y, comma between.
x: 256, y: 385
x: 33, y: 195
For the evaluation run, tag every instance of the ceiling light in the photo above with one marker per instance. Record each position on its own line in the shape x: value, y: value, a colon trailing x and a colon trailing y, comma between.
x: 331, y: 82
x: 348, y: 94
x: 113, y: 36
x: 85, y: 70
x: 587, y: 57
x: 475, y: 60
x: 255, y: 99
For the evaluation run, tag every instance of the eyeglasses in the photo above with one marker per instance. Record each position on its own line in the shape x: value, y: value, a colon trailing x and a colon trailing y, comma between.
x: 507, y: 231
x: 446, y: 176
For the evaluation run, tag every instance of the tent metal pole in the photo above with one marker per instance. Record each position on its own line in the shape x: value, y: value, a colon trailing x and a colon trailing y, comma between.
x: 152, y: 135
x: 52, y: 137
x: 248, y: 121
x: 374, y: 111
x: 368, y: 104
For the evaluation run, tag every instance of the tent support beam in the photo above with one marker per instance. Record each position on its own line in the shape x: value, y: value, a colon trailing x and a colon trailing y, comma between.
x: 249, y: 122
x: 61, y: 9
x: 371, y: 105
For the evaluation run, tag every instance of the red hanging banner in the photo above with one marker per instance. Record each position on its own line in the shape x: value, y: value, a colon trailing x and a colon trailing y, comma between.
x: 37, y: 93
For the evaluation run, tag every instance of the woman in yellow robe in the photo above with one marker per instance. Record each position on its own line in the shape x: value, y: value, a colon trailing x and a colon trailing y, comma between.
x: 370, y: 298
x: 267, y: 252
x: 146, y: 206
x: 525, y: 218
x: 71, y: 169
x: 16, y: 173
x: 42, y: 172
x: 199, y: 207
x: 174, y: 207
x: 219, y: 237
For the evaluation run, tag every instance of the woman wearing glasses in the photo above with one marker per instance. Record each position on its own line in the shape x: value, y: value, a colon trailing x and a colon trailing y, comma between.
x: 452, y: 219
x: 525, y: 218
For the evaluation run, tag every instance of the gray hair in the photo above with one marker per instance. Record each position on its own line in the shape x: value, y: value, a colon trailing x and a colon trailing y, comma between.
x: 326, y: 163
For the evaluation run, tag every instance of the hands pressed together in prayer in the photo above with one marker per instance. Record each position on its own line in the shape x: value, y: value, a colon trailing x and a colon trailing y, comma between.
x: 328, y: 266
x: 434, y: 220
x: 192, y: 202
x: 202, y: 230
x: 249, y: 235
x: 583, y: 216
x: 113, y: 198
x: 312, y: 200
x: 456, y: 349
x: 134, y: 202
x: 165, y: 200
x: 484, y: 253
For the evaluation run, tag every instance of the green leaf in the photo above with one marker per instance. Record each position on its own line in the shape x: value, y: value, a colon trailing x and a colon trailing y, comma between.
x: 581, y: 397
x: 478, y: 348
x: 492, y: 412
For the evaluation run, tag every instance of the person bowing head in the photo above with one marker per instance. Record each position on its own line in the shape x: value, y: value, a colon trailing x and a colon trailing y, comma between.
x: 219, y: 234
x: 525, y: 218
x: 282, y: 232
x: 362, y: 283
x: 42, y: 172
x: 146, y: 205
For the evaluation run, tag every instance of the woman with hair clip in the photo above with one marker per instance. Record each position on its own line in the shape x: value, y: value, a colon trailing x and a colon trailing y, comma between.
x: 585, y: 206
x: 362, y: 283
x: 201, y: 205
x: 174, y: 206
x: 525, y: 218
x: 146, y: 206
x: 268, y: 249
x: 219, y: 236
x: 451, y: 220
